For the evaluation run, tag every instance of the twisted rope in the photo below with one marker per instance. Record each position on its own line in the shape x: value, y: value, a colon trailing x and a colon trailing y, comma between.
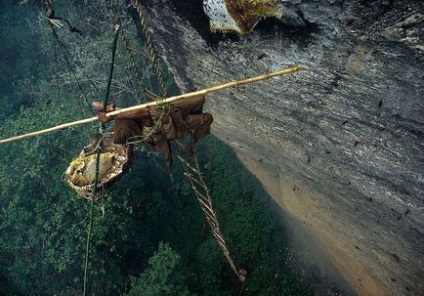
x: 201, y: 191
x: 152, y: 53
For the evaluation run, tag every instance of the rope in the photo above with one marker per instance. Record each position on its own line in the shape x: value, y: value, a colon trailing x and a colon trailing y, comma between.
x: 98, y: 153
x: 201, y: 191
x: 152, y: 54
x: 109, y: 82
x: 151, y: 104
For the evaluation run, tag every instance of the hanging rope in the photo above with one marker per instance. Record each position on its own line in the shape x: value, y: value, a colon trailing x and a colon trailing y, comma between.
x: 200, y: 189
x: 152, y: 53
x: 98, y: 152
x: 164, y: 107
x: 151, y: 104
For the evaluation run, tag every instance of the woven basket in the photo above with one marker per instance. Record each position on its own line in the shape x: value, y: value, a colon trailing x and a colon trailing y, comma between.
x: 115, y: 160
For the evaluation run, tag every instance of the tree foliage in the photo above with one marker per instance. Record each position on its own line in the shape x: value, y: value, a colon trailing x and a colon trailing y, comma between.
x: 162, y: 276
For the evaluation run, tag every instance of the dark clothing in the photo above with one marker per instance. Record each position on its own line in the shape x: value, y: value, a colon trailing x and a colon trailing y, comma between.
x: 161, y: 124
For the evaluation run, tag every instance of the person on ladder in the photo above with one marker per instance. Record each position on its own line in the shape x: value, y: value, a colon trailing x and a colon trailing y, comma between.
x: 159, y: 125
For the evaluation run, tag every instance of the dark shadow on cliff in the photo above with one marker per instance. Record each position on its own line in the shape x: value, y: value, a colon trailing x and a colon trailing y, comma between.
x: 300, y: 35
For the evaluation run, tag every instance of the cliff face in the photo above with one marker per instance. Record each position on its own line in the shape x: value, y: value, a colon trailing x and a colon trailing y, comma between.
x: 339, y: 145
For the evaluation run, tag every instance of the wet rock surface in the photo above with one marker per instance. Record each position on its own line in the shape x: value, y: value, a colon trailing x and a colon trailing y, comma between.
x: 345, y: 137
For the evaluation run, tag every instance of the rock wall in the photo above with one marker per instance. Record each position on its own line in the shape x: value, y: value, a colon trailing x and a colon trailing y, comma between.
x: 342, y: 140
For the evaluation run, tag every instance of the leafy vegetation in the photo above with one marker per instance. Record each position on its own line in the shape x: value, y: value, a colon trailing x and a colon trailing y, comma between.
x: 150, y: 236
x: 162, y: 276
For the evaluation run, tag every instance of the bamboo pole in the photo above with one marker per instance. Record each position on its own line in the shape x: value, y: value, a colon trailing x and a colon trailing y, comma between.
x: 160, y: 101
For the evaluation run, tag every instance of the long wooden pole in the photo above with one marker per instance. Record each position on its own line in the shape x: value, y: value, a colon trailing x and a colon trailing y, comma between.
x: 160, y: 101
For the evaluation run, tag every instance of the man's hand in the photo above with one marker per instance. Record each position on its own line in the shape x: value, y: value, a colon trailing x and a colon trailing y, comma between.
x: 98, y: 106
x: 103, y: 118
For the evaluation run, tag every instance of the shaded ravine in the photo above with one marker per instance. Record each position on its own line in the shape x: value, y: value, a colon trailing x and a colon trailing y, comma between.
x: 343, y: 137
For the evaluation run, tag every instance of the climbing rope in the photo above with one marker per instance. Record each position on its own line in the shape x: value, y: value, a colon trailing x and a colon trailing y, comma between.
x: 201, y: 190
x: 151, y: 50
x: 162, y: 109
